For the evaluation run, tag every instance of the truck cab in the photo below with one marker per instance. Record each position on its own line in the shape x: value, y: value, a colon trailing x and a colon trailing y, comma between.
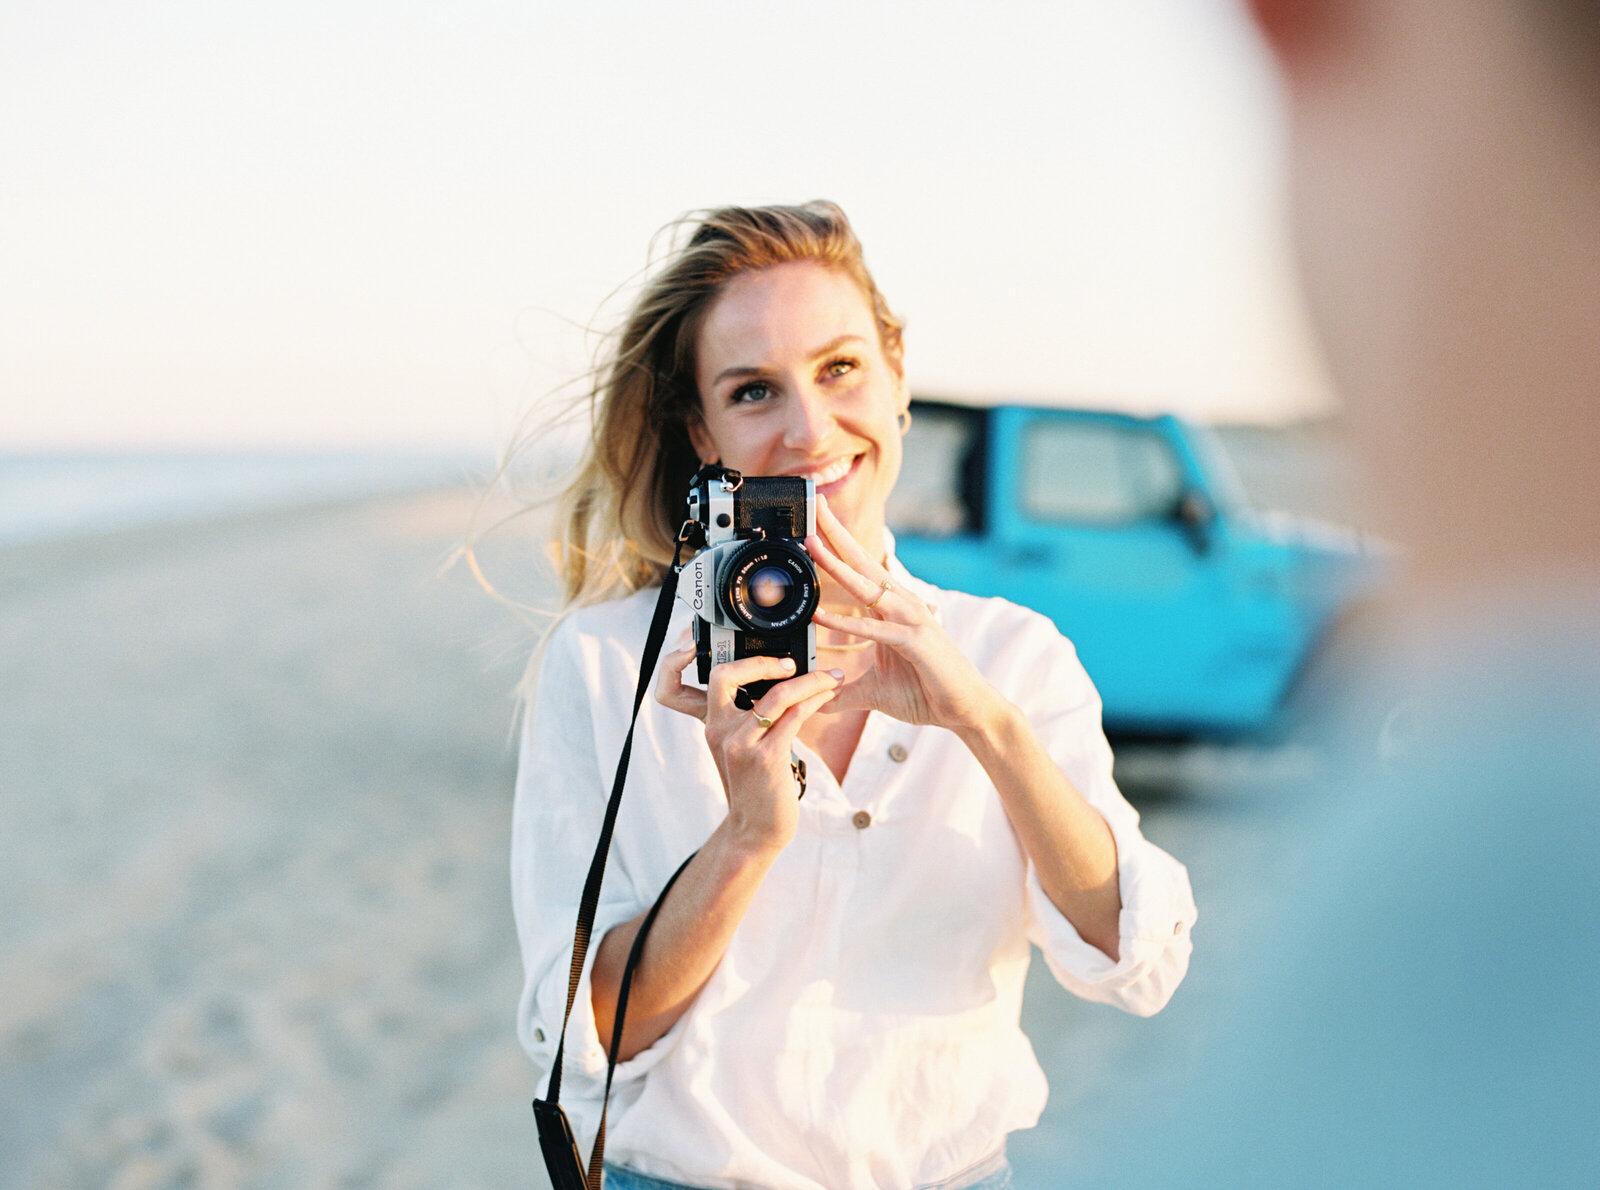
x: 1191, y: 612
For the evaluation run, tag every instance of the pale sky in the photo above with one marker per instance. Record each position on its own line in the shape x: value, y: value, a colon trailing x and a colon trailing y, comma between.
x: 383, y: 223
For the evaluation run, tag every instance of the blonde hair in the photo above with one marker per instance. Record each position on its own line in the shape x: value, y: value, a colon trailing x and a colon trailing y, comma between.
x: 618, y: 519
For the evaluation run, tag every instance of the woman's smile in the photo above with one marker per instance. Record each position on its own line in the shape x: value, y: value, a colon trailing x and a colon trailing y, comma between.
x: 827, y: 477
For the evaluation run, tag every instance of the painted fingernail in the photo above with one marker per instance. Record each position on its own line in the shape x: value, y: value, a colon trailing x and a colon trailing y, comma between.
x: 836, y: 674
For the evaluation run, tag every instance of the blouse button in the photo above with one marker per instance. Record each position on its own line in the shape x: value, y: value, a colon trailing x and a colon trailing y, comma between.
x: 538, y: 1034
x: 897, y: 752
x: 862, y: 820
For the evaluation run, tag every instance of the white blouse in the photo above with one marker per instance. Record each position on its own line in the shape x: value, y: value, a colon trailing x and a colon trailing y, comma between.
x: 861, y: 1031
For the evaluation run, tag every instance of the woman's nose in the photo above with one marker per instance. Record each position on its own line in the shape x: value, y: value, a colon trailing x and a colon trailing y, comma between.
x: 810, y: 420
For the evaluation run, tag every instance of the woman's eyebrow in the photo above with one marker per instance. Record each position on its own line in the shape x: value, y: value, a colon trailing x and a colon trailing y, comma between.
x: 740, y: 371
x: 834, y: 344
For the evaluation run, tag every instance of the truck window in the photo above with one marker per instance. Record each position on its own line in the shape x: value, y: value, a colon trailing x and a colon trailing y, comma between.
x: 1096, y: 471
x: 940, y: 489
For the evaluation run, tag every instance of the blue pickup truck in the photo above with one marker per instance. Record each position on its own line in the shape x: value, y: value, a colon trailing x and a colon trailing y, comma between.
x: 1192, y: 612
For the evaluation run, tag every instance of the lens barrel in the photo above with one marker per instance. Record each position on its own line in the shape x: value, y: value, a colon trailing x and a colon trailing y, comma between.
x: 768, y: 586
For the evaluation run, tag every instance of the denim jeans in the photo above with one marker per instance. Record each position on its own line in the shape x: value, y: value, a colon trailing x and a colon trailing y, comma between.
x: 991, y: 1177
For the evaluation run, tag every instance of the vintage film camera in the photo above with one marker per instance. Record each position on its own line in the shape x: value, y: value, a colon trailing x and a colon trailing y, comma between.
x: 753, y: 587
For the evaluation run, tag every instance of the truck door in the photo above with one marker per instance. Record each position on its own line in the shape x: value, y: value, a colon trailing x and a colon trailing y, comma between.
x: 1091, y: 535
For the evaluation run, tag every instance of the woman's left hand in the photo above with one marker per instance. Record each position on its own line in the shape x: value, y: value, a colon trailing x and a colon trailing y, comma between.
x: 920, y: 676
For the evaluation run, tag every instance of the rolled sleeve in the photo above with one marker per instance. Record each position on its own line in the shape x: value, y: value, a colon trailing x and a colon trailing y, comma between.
x: 583, y: 1071
x: 1158, y: 913
x: 1158, y: 909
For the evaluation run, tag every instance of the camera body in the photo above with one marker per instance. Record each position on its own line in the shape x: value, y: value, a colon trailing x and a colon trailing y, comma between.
x: 753, y: 587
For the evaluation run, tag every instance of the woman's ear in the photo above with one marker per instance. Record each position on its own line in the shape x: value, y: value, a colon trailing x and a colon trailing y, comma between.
x: 897, y: 365
x: 700, y: 439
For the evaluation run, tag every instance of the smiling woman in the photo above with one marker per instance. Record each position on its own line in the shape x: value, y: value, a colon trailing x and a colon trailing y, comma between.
x: 824, y: 400
x: 830, y: 994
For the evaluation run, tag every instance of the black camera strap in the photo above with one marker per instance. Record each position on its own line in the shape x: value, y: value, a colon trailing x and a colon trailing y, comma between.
x: 560, y: 1149
x: 561, y: 1157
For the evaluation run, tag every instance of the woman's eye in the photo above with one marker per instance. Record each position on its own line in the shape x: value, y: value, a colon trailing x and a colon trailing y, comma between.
x: 755, y: 391
x: 840, y: 367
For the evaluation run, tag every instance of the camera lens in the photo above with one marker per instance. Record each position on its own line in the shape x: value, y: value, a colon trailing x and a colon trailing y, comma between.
x: 769, y: 586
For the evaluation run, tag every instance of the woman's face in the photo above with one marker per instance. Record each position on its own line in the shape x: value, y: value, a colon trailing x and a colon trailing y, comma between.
x: 794, y: 380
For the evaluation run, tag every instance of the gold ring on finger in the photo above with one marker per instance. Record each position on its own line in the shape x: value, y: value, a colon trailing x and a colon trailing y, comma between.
x: 887, y: 587
x: 761, y: 719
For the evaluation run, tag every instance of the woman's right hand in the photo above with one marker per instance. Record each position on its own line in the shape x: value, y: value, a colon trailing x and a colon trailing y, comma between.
x: 752, y: 760
x: 710, y: 899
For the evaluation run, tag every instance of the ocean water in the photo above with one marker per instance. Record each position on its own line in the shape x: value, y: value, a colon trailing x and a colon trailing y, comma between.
x: 61, y: 494
x: 50, y: 495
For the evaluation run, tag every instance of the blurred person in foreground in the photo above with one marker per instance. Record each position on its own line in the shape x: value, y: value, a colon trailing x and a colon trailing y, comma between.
x: 830, y: 997
x: 1430, y: 1012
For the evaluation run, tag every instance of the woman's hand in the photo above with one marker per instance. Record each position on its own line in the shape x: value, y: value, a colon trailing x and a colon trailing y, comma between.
x: 711, y: 898
x: 751, y: 748
x: 920, y: 676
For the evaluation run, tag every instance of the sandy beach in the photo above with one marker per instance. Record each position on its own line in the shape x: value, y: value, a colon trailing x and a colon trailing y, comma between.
x: 256, y: 780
